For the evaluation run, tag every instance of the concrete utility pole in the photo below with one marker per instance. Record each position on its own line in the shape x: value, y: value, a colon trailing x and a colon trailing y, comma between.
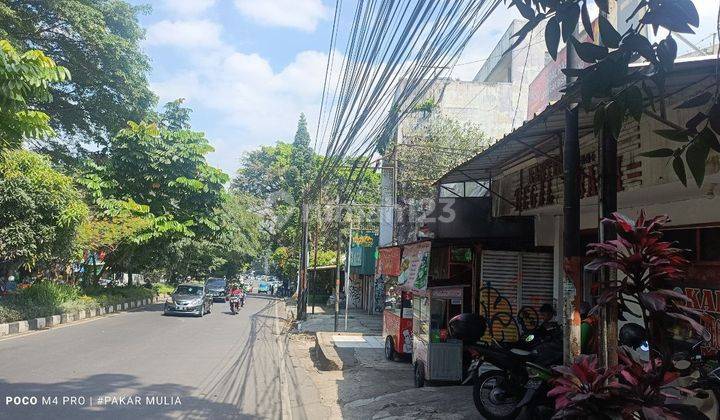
x: 302, y: 283
x: 571, y: 233
x: 337, y: 268
x: 607, y: 204
x: 347, y: 272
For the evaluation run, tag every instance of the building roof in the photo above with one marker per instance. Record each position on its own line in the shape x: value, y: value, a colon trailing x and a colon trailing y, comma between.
x: 543, y: 133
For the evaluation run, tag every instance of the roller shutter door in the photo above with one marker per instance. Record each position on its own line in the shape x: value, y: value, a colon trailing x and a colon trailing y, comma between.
x: 500, y: 271
x: 537, y: 280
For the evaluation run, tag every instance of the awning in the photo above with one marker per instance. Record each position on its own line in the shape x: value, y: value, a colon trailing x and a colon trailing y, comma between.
x: 543, y: 134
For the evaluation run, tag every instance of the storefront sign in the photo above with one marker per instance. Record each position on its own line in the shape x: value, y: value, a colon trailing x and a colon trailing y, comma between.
x: 363, y: 240
x: 539, y: 189
x: 389, y: 263
x: 414, y: 266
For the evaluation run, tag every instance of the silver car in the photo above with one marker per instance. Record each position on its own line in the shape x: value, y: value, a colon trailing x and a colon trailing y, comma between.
x: 189, y: 298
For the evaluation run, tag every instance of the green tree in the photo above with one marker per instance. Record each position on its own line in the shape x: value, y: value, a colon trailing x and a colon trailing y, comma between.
x: 301, y: 161
x: 227, y: 251
x: 263, y: 172
x: 40, y: 212
x: 25, y: 80
x: 98, y: 41
x: 165, y: 170
x: 437, y: 145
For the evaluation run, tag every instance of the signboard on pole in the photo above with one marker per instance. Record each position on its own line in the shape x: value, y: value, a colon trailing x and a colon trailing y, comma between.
x: 389, y: 263
x: 414, y: 266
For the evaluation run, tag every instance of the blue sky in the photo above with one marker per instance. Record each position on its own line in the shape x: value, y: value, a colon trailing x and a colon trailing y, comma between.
x: 249, y: 67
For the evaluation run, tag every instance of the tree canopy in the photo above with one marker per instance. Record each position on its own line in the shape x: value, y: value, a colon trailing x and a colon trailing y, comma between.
x: 25, y: 82
x: 40, y: 212
x: 98, y: 41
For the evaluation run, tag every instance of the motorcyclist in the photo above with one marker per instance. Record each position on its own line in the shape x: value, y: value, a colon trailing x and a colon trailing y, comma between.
x: 236, y: 291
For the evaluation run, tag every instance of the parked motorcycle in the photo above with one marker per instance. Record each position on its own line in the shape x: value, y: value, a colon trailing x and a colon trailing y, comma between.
x: 235, y: 303
x: 518, y: 379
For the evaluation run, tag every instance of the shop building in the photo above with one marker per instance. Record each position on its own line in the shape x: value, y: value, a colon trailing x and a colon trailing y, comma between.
x: 524, y: 174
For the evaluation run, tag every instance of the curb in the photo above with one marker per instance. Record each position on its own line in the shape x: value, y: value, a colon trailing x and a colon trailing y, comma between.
x: 326, y: 351
x: 18, y: 327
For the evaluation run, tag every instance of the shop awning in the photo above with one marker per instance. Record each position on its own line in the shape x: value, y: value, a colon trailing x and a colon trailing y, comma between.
x: 543, y: 134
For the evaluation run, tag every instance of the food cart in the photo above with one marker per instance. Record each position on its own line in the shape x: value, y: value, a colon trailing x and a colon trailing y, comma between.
x: 397, y: 314
x: 436, y: 357
x: 397, y: 325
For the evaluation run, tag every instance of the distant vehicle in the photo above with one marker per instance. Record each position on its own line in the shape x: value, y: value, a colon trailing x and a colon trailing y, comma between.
x: 189, y: 298
x: 263, y: 287
x: 216, y: 288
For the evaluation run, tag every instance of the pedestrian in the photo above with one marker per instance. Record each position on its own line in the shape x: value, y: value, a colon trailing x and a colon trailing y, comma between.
x: 588, y: 330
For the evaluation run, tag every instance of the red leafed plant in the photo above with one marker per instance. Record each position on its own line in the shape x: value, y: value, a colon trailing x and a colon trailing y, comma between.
x: 645, y: 263
x: 631, y: 390
x: 634, y: 390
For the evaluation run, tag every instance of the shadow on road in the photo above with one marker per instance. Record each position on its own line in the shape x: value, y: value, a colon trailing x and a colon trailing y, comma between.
x: 159, y: 401
x: 244, y: 384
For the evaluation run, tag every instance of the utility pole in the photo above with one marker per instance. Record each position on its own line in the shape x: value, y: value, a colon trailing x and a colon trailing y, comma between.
x: 315, y: 251
x: 607, y: 204
x: 302, y: 283
x: 347, y: 271
x: 571, y: 233
x: 337, y: 262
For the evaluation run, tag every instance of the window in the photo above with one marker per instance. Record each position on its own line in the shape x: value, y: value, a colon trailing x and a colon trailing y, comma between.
x: 710, y: 244
x: 684, y: 239
x: 453, y: 189
x: 477, y: 189
x: 465, y: 189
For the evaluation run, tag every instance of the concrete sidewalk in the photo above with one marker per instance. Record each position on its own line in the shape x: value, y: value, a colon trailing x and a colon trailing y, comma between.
x: 376, y: 388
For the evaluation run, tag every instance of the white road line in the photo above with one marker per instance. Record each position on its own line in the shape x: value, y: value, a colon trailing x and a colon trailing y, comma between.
x: 284, y: 390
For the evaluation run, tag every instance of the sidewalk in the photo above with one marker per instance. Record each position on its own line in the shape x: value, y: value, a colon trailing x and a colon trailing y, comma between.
x: 375, y: 388
x: 355, y: 380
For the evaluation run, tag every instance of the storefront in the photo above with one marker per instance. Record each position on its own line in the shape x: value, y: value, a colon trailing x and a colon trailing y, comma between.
x: 525, y: 176
x: 362, y: 269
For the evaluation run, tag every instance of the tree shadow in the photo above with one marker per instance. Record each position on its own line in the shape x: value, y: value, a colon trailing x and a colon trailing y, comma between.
x: 245, y: 384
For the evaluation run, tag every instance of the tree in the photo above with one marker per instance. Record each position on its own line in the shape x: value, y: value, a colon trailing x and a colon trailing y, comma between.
x: 40, y: 212
x: 224, y: 253
x: 25, y: 80
x: 263, y: 172
x: 437, y: 145
x: 98, y: 41
x: 301, y: 161
x: 165, y: 170
x: 613, y: 91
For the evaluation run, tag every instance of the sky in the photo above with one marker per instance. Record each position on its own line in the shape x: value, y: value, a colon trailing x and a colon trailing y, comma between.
x: 248, y: 68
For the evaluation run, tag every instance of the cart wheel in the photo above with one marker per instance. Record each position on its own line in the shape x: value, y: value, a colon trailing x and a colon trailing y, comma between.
x: 419, y: 375
x: 389, y: 348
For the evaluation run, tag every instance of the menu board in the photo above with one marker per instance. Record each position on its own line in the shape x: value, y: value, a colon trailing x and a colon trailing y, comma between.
x: 414, y: 266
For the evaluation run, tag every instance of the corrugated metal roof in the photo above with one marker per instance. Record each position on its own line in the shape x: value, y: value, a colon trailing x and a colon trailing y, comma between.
x: 543, y: 133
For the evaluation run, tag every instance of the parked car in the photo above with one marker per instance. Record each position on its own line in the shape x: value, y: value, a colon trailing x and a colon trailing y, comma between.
x: 189, y: 298
x: 216, y: 288
x: 263, y: 287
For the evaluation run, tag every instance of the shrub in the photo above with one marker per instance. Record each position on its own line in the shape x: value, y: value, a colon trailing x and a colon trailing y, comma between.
x: 48, y: 293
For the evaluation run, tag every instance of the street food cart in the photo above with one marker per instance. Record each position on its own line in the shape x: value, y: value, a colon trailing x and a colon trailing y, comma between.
x: 397, y: 314
x: 436, y: 357
x: 397, y: 325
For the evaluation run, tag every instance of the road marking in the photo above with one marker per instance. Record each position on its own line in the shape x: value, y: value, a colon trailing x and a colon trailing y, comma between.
x: 284, y: 390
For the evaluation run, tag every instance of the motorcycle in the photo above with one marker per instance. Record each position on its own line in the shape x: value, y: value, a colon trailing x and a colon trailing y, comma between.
x: 519, y: 379
x: 235, y: 303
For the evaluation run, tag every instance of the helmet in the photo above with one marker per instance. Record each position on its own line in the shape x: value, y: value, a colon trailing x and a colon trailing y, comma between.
x: 467, y: 327
x: 633, y: 335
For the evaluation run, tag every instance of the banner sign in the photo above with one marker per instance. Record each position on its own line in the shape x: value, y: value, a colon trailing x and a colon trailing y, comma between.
x: 389, y: 263
x: 414, y: 266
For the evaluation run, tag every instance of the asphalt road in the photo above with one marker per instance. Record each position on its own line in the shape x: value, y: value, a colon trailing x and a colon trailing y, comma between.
x: 141, y: 364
